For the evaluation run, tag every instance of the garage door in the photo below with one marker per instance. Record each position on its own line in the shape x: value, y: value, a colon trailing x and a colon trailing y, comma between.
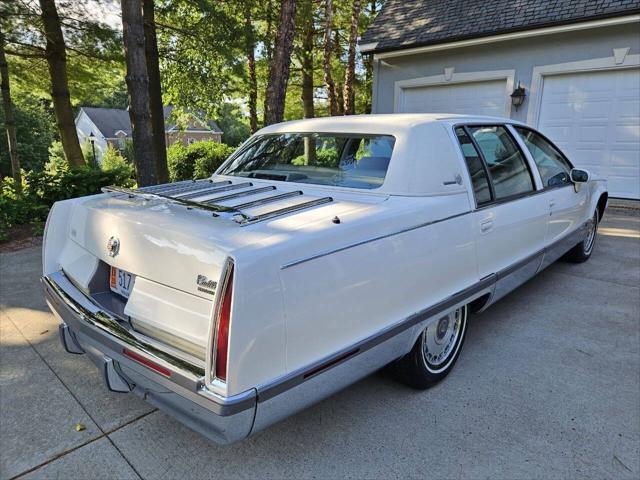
x: 595, y: 119
x: 475, y: 98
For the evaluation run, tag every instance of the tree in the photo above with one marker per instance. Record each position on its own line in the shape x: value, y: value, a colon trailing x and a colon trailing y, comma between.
x: 156, y: 108
x: 328, y: 50
x: 9, y: 120
x: 348, y: 93
x: 81, y: 55
x: 56, y: 56
x: 251, y: 66
x: 307, y: 33
x: 280, y: 64
x: 202, y: 47
x: 137, y: 79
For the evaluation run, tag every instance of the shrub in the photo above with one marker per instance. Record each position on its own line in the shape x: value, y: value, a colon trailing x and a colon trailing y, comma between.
x: 58, y: 182
x: 17, y: 209
x: 198, y: 160
x: 112, y: 160
x: 57, y: 162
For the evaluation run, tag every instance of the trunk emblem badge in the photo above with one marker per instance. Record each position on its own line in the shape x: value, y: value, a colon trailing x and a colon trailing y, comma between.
x: 205, y: 285
x: 113, y: 246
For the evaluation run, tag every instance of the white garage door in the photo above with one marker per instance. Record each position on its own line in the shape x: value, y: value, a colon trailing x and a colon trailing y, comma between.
x: 594, y: 118
x: 475, y: 98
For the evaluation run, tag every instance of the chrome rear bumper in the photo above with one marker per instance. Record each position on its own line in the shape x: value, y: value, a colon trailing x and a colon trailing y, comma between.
x: 86, y: 328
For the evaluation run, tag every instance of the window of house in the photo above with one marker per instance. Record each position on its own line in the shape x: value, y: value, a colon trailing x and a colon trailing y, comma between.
x: 553, y: 167
x: 508, y: 169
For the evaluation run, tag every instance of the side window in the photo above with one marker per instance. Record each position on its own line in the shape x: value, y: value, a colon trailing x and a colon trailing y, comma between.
x: 507, y: 166
x: 476, y: 170
x: 553, y: 167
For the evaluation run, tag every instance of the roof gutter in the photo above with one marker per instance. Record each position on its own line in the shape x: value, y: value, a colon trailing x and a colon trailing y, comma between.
x: 370, y: 48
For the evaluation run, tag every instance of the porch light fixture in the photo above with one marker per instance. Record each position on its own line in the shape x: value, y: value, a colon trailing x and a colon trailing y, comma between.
x: 518, y: 96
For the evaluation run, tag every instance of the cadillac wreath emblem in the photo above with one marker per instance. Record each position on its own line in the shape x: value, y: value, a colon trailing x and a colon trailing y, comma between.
x: 113, y: 246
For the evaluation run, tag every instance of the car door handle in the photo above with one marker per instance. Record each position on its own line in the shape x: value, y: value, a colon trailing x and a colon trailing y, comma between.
x: 486, y: 226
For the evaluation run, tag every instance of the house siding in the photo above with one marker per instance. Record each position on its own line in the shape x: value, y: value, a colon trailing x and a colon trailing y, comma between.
x: 84, y: 127
x: 519, y: 55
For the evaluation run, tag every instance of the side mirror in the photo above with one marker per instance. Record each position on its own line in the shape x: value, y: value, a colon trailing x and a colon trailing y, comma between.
x: 579, y: 176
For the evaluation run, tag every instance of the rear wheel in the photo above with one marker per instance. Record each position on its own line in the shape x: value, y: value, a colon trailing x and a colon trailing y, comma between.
x: 582, y: 251
x: 435, y: 352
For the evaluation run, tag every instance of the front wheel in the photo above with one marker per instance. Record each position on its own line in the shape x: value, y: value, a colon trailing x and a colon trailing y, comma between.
x: 435, y: 352
x: 582, y: 251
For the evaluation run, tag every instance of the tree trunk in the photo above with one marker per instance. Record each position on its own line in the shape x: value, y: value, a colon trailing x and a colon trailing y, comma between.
x: 368, y: 63
x: 138, y: 87
x: 349, y: 76
x: 307, y: 59
x: 339, y: 87
x: 280, y: 64
x: 155, y: 91
x: 326, y: 65
x: 250, y: 46
x: 9, y: 120
x: 56, y: 55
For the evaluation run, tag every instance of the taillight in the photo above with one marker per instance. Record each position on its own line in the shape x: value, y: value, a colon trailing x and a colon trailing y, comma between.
x: 222, y: 326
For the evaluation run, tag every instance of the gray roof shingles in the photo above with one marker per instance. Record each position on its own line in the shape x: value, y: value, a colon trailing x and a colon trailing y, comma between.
x: 412, y: 23
x: 111, y: 120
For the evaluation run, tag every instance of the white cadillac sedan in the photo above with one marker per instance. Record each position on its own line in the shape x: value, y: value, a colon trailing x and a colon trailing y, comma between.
x: 321, y: 251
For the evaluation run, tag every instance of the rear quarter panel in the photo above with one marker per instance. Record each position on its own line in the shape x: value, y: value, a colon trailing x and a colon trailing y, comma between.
x: 337, y: 299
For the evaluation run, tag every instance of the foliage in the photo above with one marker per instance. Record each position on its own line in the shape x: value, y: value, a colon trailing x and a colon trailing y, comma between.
x: 233, y: 124
x: 198, y: 160
x: 200, y: 47
x: 112, y: 160
x: 56, y: 162
x: 57, y: 181
x: 94, y: 52
x: 35, y: 130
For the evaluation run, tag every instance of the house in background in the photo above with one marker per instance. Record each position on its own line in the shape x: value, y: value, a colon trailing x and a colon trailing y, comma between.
x: 578, y: 62
x: 112, y: 126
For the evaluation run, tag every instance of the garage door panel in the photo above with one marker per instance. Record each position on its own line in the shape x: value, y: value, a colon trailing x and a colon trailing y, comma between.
x: 624, y: 159
x: 475, y: 98
x: 593, y: 133
x: 595, y: 111
x: 594, y: 117
x: 627, y: 134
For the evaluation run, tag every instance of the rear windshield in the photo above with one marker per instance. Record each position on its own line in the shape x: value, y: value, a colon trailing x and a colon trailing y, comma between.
x: 349, y: 160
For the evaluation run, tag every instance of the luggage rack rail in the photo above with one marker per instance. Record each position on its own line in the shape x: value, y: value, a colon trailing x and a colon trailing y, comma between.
x: 185, y: 193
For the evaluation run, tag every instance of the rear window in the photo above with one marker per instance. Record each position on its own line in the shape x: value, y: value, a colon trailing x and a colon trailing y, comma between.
x: 343, y: 160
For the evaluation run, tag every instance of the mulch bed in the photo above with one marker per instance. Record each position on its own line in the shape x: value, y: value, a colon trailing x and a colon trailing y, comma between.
x: 19, y: 237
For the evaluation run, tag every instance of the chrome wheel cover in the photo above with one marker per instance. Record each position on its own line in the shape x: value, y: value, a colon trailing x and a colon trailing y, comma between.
x: 441, y: 340
x: 590, y: 237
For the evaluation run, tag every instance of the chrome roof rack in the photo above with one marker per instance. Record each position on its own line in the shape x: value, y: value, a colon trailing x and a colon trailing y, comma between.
x: 182, y: 193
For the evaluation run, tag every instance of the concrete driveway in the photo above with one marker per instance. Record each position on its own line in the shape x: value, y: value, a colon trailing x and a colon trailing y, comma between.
x: 547, y: 386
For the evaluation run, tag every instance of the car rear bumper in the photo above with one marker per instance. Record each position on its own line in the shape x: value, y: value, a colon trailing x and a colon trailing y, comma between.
x: 173, y: 385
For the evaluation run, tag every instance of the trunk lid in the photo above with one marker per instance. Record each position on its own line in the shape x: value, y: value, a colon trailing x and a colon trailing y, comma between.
x: 176, y: 238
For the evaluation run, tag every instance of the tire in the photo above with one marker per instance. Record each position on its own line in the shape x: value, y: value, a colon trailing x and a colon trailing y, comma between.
x: 582, y: 251
x: 434, y: 353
